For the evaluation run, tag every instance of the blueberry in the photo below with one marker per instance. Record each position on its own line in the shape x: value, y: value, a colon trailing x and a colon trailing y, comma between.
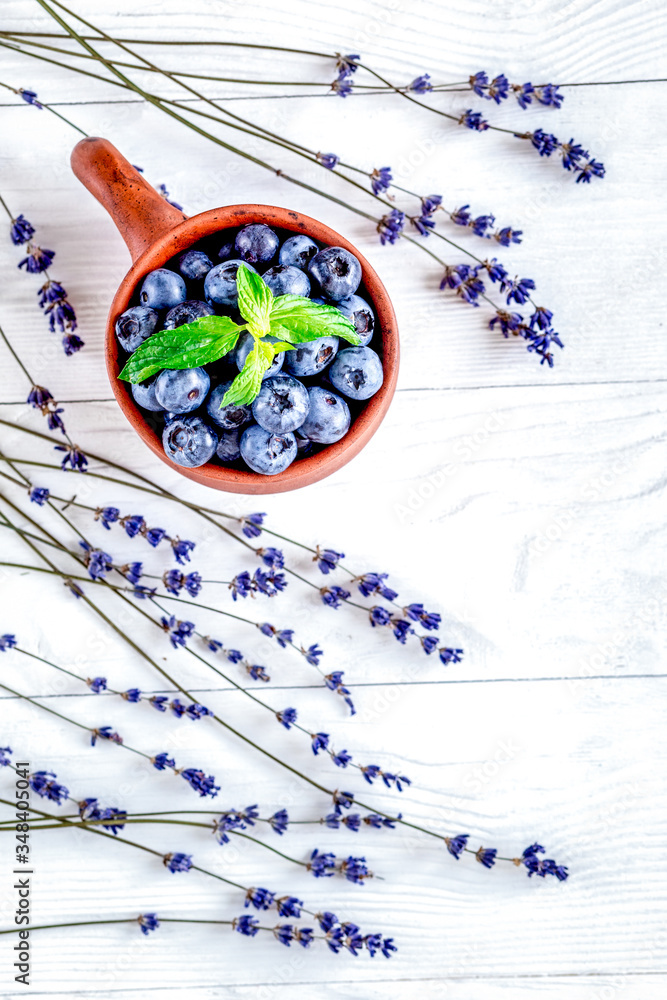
x: 361, y: 314
x: 328, y: 418
x: 312, y: 357
x: 186, y: 312
x: 284, y: 279
x: 244, y: 347
x: 298, y: 250
x: 194, y: 265
x: 220, y: 282
x: 144, y: 395
x: 282, y: 404
x: 229, y: 449
x: 134, y: 326
x: 226, y: 251
x: 162, y: 289
x: 189, y: 442
x: 304, y: 445
x: 228, y: 417
x: 256, y: 243
x: 356, y: 372
x: 267, y: 453
x: 337, y: 272
x: 181, y: 390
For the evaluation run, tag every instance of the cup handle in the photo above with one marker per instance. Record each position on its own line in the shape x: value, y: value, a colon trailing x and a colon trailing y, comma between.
x: 140, y: 213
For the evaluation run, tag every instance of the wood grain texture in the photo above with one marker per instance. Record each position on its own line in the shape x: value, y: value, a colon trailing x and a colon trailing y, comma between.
x: 527, y: 506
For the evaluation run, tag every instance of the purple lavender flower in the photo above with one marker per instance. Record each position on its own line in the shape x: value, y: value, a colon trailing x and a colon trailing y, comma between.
x: 548, y: 95
x: 251, y: 525
x: 381, y: 822
x: 355, y: 870
x: 53, y: 300
x: 133, y: 524
x: 97, y: 684
x: 74, y: 457
x: 182, y: 549
x: 43, y: 783
x: 373, y: 583
x: 312, y: 654
x: 391, y: 226
x: 273, y: 558
x: 279, y: 821
x: 289, y: 906
x: 132, y: 695
x: 97, y: 562
x: 342, y: 86
x: 37, y: 260
x: 544, y: 142
x: 177, y: 631
x: 30, y: 97
x: 523, y: 93
x: 334, y: 596
x: 379, y: 616
x: 429, y: 643
x: 429, y: 619
x: 177, y: 708
x: 159, y: 702
x: 20, y: 230
x: 347, y: 65
x: 448, y: 656
x: 478, y: 83
x: 132, y: 573
x: 540, y: 866
x: 342, y: 758
x: 7, y: 641
x: 195, y: 711
x: 246, y: 924
x: 327, y: 559
x: 154, y: 536
x: 321, y: 865
x: 4, y: 758
x: 401, y: 629
x: 590, y: 169
x: 327, y: 921
x: 486, y: 856
x: 421, y: 84
x: 507, y: 235
x: 38, y: 495
x: 287, y: 717
x: 518, y: 290
x: 241, y: 585
x: 261, y: 899
x: 203, y: 784
x: 319, y: 741
x: 456, y: 845
x: 178, y: 862
x: 334, y: 682
x: 473, y: 119
x: 381, y: 179
x: 148, y: 922
x: 328, y: 160
x: 104, y: 733
x: 257, y: 672
x: 463, y: 279
x: 342, y: 800
x: 107, y: 515
x: 283, y: 636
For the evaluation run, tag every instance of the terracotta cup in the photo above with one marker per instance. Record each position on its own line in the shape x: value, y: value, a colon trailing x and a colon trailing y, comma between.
x: 154, y: 232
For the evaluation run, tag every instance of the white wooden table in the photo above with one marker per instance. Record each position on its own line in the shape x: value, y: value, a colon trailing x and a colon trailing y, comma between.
x: 544, y: 548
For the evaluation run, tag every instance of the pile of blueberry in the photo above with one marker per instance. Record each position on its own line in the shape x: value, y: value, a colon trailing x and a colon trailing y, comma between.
x: 309, y: 395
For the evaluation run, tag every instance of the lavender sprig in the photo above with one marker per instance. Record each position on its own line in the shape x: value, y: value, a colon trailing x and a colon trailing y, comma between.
x: 52, y: 297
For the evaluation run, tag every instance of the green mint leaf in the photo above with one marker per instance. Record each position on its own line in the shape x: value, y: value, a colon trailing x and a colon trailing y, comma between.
x: 281, y: 345
x: 299, y: 320
x: 255, y: 300
x: 188, y: 346
x: 248, y: 382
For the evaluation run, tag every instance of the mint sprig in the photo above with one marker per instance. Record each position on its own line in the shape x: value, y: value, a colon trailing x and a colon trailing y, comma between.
x: 290, y: 319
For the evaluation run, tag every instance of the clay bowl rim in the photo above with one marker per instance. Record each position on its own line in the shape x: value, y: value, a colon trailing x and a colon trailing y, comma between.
x: 304, y: 471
